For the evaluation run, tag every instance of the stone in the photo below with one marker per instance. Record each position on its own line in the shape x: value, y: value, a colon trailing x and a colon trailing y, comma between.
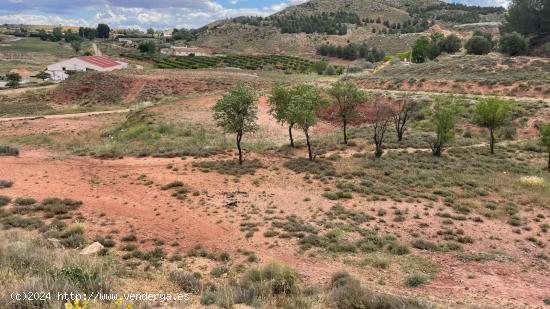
x: 92, y: 249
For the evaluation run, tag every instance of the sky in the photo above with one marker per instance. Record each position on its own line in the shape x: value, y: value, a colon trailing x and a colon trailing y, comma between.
x: 143, y: 14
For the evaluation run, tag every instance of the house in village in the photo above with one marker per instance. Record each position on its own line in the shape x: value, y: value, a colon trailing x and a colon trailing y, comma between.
x: 185, y: 51
x: 60, y: 71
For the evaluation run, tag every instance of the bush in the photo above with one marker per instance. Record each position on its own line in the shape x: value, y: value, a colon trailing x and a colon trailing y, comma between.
x: 4, y: 200
x: 347, y: 293
x: 187, y: 281
x: 415, y: 280
x: 451, y: 44
x: 8, y: 151
x: 24, y: 201
x: 280, y: 279
x: 219, y: 271
x: 425, y: 245
x: 478, y: 45
x: 5, y: 184
x: 513, y: 44
x: 398, y: 248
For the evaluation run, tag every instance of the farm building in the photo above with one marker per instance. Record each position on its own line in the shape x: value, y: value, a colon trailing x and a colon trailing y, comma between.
x: 58, y: 71
x: 185, y: 51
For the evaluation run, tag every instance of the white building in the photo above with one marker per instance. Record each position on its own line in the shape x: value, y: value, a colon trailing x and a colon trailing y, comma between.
x: 185, y: 51
x: 58, y: 71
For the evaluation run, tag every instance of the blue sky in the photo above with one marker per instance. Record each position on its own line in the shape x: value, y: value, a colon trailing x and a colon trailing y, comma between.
x: 159, y: 14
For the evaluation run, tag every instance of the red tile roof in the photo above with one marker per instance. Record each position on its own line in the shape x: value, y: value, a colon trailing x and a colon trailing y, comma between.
x: 99, y: 61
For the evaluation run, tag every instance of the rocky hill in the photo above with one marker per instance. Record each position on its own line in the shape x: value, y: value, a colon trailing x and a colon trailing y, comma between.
x: 392, y: 25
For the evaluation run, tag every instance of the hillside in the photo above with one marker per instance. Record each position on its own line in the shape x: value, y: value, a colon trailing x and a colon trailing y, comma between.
x: 298, y: 30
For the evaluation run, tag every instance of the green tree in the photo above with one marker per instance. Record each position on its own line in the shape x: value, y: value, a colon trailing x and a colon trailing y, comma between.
x: 478, y: 45
x: 279, y: 102
x: 305, y: 103
x: 151, y: 31
x: 451, y: 44
x: 492, y: 113
x: 420, y: 49
x: 57, y: 34
x: 236, y: 113
x: 43, y: 75
x: 528, y: 17
x: 103, y: 31
x: 443, y: 122
x: 347, y: 97
x: 513, y: 44
x: 71, y: 36
x: 76, y: 45
x: 544, y: 131
x: 13, y: 80
x: 147, y: 48
x: 319, y: 66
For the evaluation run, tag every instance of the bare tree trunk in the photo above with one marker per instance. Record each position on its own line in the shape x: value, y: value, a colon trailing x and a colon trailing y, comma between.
x: 400, y: 132
x: 290, y: 135
x: 310, y: 153
x: 492, y: 140
x: 239, y: 138
x: 345, y: 125
x: 378, y: 152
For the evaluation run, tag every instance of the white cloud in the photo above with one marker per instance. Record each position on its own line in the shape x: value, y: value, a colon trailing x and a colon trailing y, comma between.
x: 159, y: 14
x: 41, y: 20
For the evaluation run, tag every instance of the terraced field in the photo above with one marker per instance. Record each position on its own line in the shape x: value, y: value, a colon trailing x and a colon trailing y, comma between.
x: 245, y: 62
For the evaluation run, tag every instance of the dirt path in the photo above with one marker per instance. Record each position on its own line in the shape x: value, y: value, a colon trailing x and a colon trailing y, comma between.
x: 61, y: 116
x: 25, y: 89
x: 97, y: 52
x: 380, y: 91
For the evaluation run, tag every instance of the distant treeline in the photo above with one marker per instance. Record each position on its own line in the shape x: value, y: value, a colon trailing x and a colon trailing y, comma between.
x: 453, y: 12
x: 351, y: 52
x: 328, y: 23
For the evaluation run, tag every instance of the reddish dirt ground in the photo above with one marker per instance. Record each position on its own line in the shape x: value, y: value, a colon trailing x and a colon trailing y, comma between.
x: 124, y: 196
x: 114, y: 200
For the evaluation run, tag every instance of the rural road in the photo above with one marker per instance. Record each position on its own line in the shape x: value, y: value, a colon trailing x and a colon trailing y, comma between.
x: 546, y: 100
x: 97, y: 52
x: 60, y: 116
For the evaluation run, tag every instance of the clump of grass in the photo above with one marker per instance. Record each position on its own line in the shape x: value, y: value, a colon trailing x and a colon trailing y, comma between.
x: 129, y: 238
x: 230, y: 167
x: 5, y: 184
x: 42, y: 268
x: 338, y: 195
x: 24, y: 201
x: 416, y: 280
x: 346, y: 292
x: 317, y: 167
x: 8, y: 151
x: 376, y: 261
x: 173, y: 184
x: 4, y: 200
x: 187, y: 281
x: 219, y: 271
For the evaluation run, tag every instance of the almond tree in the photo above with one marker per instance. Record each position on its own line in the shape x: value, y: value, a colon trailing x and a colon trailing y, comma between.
x: 381, y: 117
x: 443, y: 122
x: 237, y: 113
x: 304, y: 105
x: 347, y: 97
x: 491, y: 113
x: 401, y: 113
x: 279, y: 101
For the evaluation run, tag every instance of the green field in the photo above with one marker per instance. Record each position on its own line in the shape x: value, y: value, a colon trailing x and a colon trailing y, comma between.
x: 245, y: 62
x: 32, y: 54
